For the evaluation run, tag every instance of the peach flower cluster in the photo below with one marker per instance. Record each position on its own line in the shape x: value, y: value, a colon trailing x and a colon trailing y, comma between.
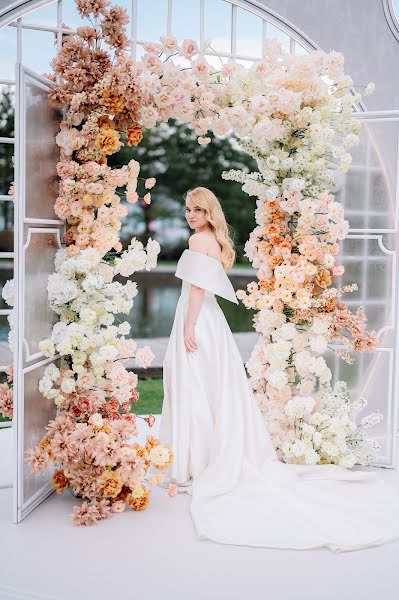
x: 98, y: 460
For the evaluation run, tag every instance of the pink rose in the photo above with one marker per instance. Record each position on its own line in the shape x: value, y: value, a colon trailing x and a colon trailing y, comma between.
x: 172, y: 490
x: 149, y: 183
x: 189, y: 48
x: 338, y: 270
x: 169, y: 44
x: 147, y: 198
x: 132, y: 197
x: 144, y: 357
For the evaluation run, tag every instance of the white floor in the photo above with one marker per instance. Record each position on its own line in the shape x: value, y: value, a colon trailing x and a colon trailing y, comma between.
x: 155, y: 554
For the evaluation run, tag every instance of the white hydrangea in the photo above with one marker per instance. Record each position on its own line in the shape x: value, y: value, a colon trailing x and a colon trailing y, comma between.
x: 8, y: 292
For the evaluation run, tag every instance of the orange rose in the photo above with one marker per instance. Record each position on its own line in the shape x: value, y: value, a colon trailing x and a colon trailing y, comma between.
x: 134, y: 135
x: 264, y: 247
x: 113, y: 101
x: 330, y: 306
x: 323, y: 278
x: 271, y: 206
x: 151, y: 443
x: 59, y: 481
x: 104, y: 122
x: 274, y: 261
x: 107, y: 141
x: 141, y: 502
x: 277, y: 239
x: 266, y: 284
x: 140, y: 451
x: 45, y: 443
x: 110, y: 483
x: 272, y: 229
x: 285, y: 244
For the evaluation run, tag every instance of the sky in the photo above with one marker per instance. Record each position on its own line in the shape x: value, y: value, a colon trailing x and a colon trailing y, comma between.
x: 38, y: 46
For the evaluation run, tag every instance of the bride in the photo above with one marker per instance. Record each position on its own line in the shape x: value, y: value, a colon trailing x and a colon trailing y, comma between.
x: 223, y: 454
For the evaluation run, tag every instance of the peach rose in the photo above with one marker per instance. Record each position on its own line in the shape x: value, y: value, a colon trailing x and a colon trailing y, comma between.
x: 144, y: 357
x: 59, y: 481
x: 110, y: 483
x: 134, y: 135
x: 107, y: 141
x: 172, y: 490
x: 113, y: 101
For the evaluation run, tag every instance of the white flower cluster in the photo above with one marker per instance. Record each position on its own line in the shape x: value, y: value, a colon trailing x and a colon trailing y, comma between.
x: 83, y: 293
x: 328, y: 432
x: 283, y: 347
x: 8, y: 295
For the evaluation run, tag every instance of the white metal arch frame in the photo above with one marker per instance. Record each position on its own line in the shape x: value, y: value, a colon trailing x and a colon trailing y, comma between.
x: 391, y: 17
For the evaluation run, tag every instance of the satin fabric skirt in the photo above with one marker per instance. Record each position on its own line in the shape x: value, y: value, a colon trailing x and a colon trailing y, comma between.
x: 223, y: 456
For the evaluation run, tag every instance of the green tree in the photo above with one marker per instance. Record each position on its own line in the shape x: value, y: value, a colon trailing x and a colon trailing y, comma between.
x: 6, y: 153
x: 170, y: 152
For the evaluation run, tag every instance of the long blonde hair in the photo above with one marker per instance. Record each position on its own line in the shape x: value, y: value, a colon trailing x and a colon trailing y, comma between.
x: 207, y: 200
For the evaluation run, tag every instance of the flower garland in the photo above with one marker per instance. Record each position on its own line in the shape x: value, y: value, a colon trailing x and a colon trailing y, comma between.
x: 294, y: 115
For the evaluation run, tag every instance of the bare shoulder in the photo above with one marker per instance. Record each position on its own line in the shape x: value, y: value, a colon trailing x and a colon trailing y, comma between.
x: 205, y: 243
x: 198, y: 242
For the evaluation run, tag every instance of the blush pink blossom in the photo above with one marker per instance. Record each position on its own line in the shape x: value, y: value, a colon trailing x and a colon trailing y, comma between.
x: 150, y: 182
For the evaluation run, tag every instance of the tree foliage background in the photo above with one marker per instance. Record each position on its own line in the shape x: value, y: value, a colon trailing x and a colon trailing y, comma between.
x: 170, y: 152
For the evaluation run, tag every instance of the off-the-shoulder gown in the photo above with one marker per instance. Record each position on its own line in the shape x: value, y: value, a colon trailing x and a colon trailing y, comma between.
x: 224, y: 457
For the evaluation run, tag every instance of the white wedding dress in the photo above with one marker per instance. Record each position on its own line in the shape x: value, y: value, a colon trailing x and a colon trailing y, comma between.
x: 223, y: 455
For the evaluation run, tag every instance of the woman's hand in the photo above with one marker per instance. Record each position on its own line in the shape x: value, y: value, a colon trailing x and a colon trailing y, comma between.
x: 189, y: 339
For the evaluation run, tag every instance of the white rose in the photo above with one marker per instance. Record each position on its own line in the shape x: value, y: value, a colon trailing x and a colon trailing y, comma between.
x: 8, y: 292
x: 159, y: 455
x: 107, y: 352
x: 311, y: 457
x: 60, y: 399
x: 302, y: 361
x: 318, y: 344
x: 300, y: 341
x: 282, y: 349
x: 124, y: 328
x: 317, y: 365
x: 45, y: 385
x: 306, y: 386
x: 47, y: 347
x: 325, y: 376
x: 88, y: 315
x: 288, y: 331
x: 68, y: 385
x: 96, y: 420
x: 317, y: 438
x: 277, y: 379
x: 320, y: 326
x: 52, y: 372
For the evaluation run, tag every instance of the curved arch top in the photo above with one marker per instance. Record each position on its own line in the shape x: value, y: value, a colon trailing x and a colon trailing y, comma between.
x: 392, y: 17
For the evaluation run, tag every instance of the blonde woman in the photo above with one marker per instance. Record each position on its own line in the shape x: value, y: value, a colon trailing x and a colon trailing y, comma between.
x: 223, y: 454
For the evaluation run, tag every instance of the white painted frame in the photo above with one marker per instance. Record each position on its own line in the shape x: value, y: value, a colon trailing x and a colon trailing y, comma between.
x: 22, y: 354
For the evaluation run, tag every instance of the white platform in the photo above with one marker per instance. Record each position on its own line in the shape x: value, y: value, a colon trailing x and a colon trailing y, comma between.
x: 155, y: 554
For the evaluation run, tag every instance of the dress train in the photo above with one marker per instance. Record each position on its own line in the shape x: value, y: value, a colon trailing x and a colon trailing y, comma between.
x: 224, y: 457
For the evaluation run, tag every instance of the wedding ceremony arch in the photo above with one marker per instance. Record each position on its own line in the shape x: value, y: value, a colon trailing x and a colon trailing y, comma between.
x: 280, y: 104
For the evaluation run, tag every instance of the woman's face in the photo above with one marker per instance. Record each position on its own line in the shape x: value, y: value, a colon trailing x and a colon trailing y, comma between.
x: 195, y: 216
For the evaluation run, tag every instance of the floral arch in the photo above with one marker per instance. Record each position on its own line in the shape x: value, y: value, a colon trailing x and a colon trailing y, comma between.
x: 294, y: 115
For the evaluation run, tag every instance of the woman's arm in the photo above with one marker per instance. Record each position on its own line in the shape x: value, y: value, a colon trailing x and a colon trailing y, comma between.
x: 195, y: 299
x: 196, y: 243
